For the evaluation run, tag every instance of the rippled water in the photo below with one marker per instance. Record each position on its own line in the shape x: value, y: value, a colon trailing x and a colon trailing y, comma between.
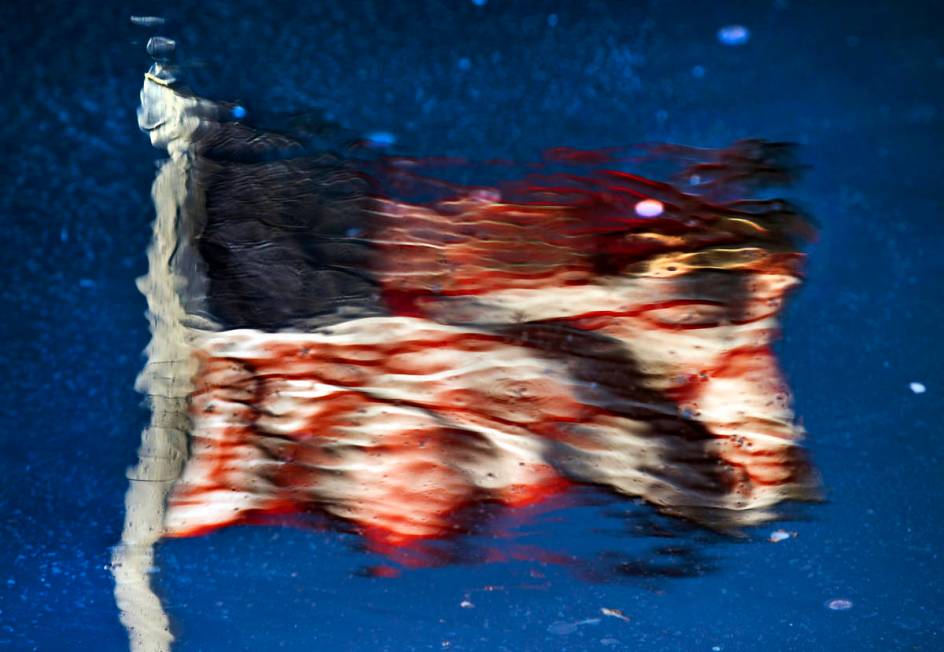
x: 584, y: 568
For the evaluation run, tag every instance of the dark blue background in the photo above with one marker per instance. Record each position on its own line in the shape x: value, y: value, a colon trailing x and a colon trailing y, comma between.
x: 860, y: 87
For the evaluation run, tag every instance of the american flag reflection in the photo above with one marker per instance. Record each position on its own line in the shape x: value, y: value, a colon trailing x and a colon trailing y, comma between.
x: 361, y: 339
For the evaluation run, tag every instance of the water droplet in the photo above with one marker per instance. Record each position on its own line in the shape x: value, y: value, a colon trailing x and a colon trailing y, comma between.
x: 381, y: 139
x: 734, y: 35
x: 649, y: 208
x: 839, y: 604
x: 779, y: 535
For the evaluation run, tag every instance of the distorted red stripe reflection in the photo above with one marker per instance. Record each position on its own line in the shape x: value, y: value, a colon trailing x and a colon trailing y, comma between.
x: 530, y: 344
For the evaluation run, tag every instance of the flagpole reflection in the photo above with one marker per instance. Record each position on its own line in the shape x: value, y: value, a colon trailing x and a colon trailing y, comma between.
x: 170, y: 118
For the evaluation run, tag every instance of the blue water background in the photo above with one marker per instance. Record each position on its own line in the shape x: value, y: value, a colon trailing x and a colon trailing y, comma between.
x: 859, y: 85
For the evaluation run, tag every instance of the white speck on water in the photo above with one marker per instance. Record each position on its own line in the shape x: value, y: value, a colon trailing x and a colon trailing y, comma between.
x: 614, y: 613
x: 485, y: 194
x: 839, y: 604
x: 734, y: 35
x: 779, y: 535
x: 649, y: 208
x: 918, y: 388
x: 466, y: 604
x: 148, y: 21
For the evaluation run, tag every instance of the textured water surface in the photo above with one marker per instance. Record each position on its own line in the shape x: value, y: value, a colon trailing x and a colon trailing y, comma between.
x: 858, y: 90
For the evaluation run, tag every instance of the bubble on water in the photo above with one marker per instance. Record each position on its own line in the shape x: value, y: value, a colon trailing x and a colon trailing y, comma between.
x: 649, y: 208
x: 918, y: 388
x: 734, y: 35
x: 839, y: 604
